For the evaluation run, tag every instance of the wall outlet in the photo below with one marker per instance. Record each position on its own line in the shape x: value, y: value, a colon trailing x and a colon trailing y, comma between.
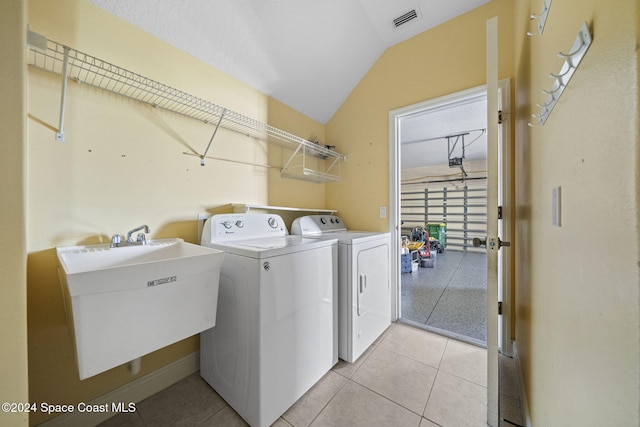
x: 383, y: 211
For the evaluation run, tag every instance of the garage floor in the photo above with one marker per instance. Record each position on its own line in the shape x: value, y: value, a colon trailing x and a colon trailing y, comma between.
x: 450, y: 298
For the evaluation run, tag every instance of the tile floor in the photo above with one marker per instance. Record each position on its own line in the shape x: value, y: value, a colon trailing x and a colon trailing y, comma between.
x: 451, y: 297
x: 409, y: 377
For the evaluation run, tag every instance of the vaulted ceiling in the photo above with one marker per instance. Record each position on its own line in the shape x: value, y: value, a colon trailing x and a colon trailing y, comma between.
x: 308, y: 54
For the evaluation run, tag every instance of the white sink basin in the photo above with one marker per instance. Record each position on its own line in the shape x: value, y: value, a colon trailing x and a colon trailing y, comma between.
x: 125, y: 302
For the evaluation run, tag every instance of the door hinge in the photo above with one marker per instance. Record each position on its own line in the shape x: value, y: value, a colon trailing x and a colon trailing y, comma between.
x: 499, y: 212
x: 499, y: 308
x: 499, y: 117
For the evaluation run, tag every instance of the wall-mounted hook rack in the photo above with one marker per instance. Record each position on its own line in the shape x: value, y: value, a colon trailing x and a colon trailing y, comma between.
x: 83, y: 68
x: 541, y: 18
x: 561, y: 80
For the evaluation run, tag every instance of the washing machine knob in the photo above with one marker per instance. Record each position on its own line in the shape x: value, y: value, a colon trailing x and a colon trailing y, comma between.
x: 239, y: 224
x: 323, y: 220
x: 227, y: 224
x: 273, y: 223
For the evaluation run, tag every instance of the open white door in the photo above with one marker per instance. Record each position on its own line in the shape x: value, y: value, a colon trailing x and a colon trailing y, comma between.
x: 492, y: 241
x: 504, y: 219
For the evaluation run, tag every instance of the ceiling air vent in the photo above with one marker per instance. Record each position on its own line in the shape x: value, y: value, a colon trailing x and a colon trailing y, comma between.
x: 404, y: 18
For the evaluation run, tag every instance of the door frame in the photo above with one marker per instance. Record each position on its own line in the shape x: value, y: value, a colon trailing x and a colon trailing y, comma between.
x: 395, y: 118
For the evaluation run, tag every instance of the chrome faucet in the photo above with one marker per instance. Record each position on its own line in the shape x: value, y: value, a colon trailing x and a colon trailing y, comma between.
x: 116, y: 239
x: 140, y: 237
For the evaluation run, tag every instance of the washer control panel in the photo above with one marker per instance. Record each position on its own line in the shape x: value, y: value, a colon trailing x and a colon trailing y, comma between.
x: 317, y: 224
x: 242, y: 226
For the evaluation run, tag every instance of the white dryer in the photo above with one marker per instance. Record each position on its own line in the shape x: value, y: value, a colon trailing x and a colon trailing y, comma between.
x: 276, y: 327
x: 364, y: 290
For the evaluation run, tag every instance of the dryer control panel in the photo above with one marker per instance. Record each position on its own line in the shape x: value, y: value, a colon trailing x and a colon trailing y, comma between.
x: 317, y: 224
x: 227, y: 227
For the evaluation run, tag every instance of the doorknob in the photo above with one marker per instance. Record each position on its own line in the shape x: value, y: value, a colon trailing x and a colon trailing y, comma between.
x: 477, y: 242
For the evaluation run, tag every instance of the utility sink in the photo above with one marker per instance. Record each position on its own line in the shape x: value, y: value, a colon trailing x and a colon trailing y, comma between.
x: 125, y: 302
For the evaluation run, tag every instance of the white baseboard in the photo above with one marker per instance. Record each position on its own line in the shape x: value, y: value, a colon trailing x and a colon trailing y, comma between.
x: 135, y: 391
x: 523, y: 393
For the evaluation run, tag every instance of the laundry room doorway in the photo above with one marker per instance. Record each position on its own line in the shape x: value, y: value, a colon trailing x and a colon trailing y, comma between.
x: 438, y: 184
x: 443, y: 207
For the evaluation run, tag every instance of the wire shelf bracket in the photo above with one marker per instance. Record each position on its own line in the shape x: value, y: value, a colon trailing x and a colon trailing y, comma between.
x: 63, y: 96
x: 83, y: 68
x: 204, y: 155
x: 560, y: 81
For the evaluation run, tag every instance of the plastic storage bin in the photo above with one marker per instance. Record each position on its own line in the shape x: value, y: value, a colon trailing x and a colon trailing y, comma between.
x: 438, y: 232
x: 407, y: 261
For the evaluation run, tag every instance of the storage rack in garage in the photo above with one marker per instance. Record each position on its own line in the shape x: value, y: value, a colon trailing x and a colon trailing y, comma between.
x: 310, y: 161
x: 463, y: 210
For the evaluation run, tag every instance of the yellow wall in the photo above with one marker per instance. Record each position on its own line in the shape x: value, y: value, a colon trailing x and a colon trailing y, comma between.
x: 122, y: 165
x: 292, y: 192
x: 577, y: 285
x: 446, y: 59
x: 13, y: 255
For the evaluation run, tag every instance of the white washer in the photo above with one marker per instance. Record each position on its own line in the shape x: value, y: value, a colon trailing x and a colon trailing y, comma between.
x: 276, y: 327
x: 364, y: 292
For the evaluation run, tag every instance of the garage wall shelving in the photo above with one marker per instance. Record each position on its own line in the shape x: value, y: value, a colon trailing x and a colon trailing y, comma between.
x: 462, y: 209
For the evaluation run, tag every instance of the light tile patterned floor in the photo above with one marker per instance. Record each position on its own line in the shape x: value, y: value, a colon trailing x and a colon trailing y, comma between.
x: 409, y: 377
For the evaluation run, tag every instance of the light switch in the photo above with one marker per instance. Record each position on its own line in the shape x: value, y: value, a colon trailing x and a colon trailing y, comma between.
x: 383, y: 211
x: 555, y: 206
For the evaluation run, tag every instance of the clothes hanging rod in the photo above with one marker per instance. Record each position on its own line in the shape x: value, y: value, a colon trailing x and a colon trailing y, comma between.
x: 240, y: 162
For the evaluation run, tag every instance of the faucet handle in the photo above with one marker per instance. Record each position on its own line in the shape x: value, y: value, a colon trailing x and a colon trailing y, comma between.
x: 116, y: 240
x: 141, y: 238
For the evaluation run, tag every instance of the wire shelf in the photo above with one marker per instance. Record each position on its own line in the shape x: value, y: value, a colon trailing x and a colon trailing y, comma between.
x: 86, y: 69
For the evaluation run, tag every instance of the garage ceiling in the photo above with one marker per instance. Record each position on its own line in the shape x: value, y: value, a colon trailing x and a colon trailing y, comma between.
x: 423, y: 135
x: 307, y: 54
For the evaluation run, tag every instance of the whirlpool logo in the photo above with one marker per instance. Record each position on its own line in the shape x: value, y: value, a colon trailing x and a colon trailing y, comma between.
x: 162, y: 281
